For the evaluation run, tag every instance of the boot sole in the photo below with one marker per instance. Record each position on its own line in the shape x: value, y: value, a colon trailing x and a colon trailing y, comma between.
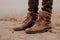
x: 41, y: 31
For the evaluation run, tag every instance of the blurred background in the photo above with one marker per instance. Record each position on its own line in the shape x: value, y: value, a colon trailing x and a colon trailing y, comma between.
x: 19, y: 7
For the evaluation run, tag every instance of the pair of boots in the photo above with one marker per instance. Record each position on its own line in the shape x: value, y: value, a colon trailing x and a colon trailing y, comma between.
x: 37, y: 22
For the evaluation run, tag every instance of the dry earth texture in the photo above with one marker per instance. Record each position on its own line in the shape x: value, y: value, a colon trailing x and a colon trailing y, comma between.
x: 8, y: 23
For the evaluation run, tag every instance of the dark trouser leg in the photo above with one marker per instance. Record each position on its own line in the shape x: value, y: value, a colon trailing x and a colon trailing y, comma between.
x: 47, y: 5
x: 33, y: 5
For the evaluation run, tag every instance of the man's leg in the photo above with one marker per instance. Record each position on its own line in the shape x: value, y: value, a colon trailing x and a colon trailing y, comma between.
x: 44, y: 22
x: 33, y: 6
x: 32, y: 15
x: 47, y: 5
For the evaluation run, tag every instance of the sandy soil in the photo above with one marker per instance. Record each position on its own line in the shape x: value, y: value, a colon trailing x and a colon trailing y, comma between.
x: 7, y: 32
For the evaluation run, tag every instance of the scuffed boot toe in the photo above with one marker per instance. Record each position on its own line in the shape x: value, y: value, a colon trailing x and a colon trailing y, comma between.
x: 17, y: 29
x: 30, y: 31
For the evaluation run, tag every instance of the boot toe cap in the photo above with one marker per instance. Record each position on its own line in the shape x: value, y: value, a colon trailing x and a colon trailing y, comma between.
x: 29, y: 31
x: 17, y: 29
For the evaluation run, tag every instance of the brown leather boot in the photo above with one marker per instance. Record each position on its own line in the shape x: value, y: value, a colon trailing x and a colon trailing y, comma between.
x: 44, y: 22
x: 32, y: 15
x: 42, y: 25
x: 29, y: 21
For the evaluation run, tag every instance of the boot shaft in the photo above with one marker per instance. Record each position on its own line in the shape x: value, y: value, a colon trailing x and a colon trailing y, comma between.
x: 45, y: 16
x: 47, y: 5
x: 33, y: 15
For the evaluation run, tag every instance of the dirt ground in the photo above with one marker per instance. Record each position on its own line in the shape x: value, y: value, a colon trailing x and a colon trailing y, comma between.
x: 7, y: 33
